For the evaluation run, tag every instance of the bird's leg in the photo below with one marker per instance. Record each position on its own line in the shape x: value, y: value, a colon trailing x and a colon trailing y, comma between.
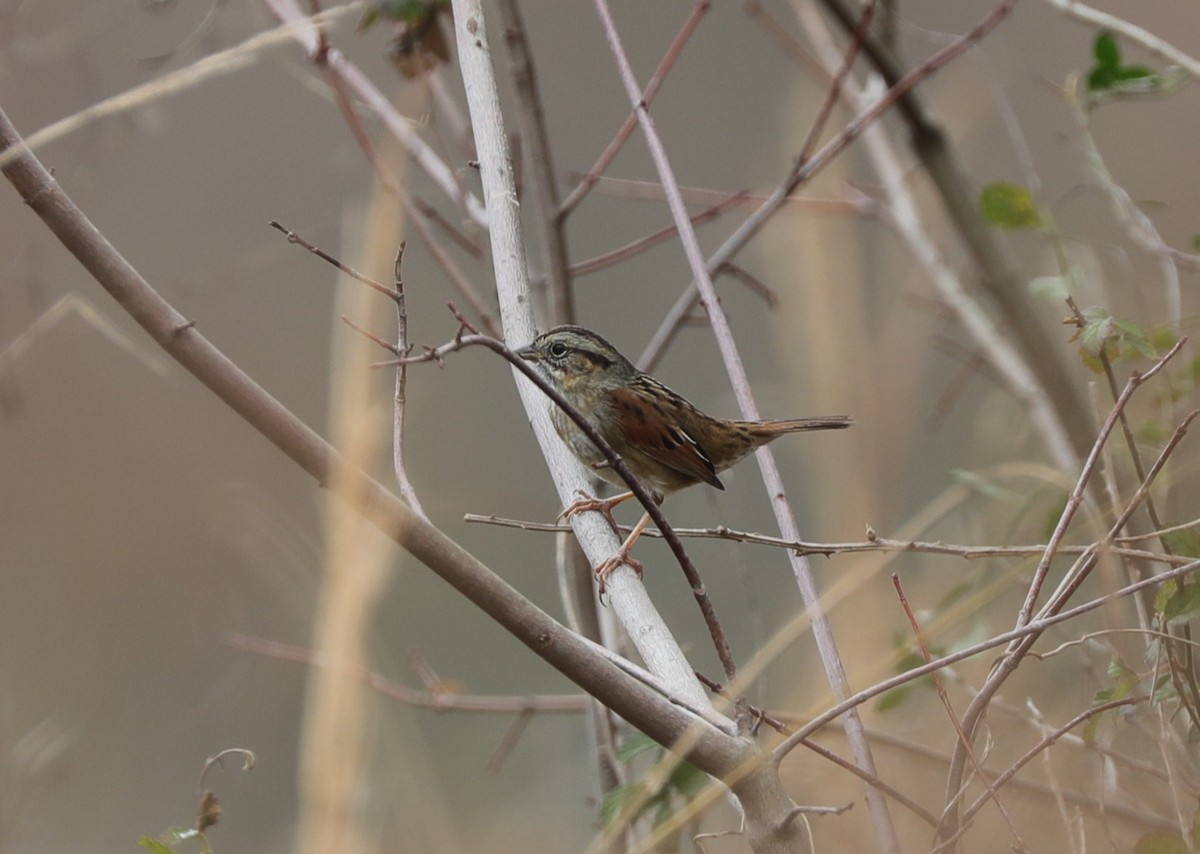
x: 604, y: 570
x: 604, y: 505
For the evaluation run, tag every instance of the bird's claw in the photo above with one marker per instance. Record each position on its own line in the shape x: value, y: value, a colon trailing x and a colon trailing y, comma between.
x: 587, y: 503
x: 609, y: 566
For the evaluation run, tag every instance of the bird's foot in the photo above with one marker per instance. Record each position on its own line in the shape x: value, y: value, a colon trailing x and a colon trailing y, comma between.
x: 601, y: 505
x: 609, y: 566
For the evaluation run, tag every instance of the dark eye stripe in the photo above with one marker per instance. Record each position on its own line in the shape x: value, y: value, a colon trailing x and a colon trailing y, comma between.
x: 597, y: 359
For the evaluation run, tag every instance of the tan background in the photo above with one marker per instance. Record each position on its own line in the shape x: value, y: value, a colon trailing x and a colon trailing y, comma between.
x: 141, y: 522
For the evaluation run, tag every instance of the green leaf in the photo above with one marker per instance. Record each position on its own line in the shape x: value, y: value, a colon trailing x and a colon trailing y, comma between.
x: 1052, y: 288
x: 1164, y: 689
x: 1185, y: 541
x: 1183, y: 606
x: 1097, y: 329
x: 1134, y: 72
x: 1106, y: 51
x: 1109, y: 74
x: 1100, y: 79
x: 894, y: 698
x: 614, y: 802
x: 1009, y: 206
x: 155, y: 846
x: 635, y: 746
x: 687, y: 779
x: 1161, y: 842
x: 1118, y: 669
x: 1130, y: 335
x: 1162, y: 338
x: 1163, y: 596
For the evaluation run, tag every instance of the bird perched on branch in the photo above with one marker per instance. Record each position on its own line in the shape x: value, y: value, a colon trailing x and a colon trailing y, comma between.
x: 667, y: 442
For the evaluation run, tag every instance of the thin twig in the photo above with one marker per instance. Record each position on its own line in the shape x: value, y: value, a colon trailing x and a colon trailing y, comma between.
x: 944, y: 698
x: 407, y: 490
x: 435, y: 700
x: 857, y: 203
x: 839, y: 79
x: 293, y: 237
x: 307, y: 34
x: 1077, y: 494
x: 875, y: 543
x: 1046, y: 742
x: 629, y: 250
x: 674, y: 50
x: 1036, y: 626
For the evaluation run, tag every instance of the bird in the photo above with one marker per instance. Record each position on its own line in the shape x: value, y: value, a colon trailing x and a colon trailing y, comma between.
x: 667, y: 442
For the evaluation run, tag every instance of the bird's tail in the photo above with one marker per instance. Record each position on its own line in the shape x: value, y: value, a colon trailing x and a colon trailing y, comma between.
x: 795, y: 425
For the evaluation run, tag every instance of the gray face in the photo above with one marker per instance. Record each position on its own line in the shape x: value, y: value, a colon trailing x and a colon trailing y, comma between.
x: 577, y: 359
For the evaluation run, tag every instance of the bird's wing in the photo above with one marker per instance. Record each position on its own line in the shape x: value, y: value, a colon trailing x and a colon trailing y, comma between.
x: 648, y: 424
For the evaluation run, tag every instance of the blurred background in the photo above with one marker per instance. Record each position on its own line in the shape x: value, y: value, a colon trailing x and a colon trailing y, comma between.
x: 143, y: 524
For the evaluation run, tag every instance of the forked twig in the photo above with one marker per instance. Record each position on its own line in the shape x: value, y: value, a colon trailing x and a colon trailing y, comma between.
x: 399, y: 349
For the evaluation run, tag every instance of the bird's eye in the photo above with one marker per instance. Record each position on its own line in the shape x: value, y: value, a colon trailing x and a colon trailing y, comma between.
x: 557, y: 350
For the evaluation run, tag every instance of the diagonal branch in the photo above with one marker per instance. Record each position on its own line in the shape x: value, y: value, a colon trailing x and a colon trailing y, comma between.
x: 588, y: 667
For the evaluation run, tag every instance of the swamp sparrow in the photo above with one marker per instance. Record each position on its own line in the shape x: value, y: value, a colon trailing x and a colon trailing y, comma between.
x: 667, y: 442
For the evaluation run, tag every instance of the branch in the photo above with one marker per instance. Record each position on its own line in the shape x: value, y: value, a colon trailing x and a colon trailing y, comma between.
x: 874, y: 543
x: 822, y: 632
x: 674, y: 50
x: 1035, y: 627
x: 438, y: 701
x: 1001, y: 277
x: 663, y: 721
x: 305, y: 31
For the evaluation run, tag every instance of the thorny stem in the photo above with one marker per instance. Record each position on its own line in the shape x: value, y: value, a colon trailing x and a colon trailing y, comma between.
x: 400, y: 348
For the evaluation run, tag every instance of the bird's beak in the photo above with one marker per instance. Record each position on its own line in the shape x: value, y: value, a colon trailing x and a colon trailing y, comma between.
x: 529, y: 354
